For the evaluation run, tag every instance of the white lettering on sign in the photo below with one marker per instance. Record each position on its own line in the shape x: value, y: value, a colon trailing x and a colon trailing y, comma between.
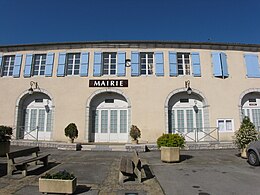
x: 108, y: 83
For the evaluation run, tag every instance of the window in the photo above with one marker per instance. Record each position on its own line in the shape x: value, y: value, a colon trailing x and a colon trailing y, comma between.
x: 220, y: 66
x: 73, y: 63
x: 183, y: 64
x: 8, y: 65
x: 146, y: 63
x: 109, y: 63
x: 252, y: 65
x: 225, y: 125
x: 39, y: 64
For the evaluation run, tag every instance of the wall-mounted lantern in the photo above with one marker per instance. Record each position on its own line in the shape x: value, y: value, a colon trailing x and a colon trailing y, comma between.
x: 187, y: 86
x: 34, y: 85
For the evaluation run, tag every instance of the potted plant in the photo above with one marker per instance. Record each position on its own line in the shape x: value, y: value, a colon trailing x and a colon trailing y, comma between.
x: 246, y: 134
x: 170, y: 145
x: 135, y: 133
x: 71, y: 131
x: 60, y: 182
x: 5, y: 136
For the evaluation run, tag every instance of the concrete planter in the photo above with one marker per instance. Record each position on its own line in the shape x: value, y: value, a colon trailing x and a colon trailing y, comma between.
x: 4, y: 148
x: 170, y: 154
x: 57, y: 186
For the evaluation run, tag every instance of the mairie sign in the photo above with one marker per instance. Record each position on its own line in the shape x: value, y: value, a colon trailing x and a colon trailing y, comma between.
x: 108, y: 83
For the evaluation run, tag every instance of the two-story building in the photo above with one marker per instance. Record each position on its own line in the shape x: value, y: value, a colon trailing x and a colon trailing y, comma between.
x: 201, y: 90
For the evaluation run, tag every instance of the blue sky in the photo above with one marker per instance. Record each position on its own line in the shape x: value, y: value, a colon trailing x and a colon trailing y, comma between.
x: 43, y: 21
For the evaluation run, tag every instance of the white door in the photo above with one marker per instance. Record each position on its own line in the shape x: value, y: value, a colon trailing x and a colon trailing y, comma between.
x: 187, y: 122
x: 110, y: 125
x: 37, y: 124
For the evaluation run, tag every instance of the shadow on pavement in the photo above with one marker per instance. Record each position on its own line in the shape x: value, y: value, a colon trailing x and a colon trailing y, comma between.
x: 184, y: 157
x: 40, y: 170
x: 81, y: 189
x: 148, y: 173
x: 3, y: 169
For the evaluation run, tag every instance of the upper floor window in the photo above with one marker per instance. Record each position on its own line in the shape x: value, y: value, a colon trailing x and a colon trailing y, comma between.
x: 146, y: 63
x: 39, y: 63
x: 109, y: 63
x: 220, y: 66
x: 73, y: 64
x: 252, y: 65
x: 183, y: 64
x: 8, y: 65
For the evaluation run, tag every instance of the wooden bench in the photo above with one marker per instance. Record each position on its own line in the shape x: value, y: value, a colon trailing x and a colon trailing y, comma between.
x: 130, y: 168
x: 19, y: 160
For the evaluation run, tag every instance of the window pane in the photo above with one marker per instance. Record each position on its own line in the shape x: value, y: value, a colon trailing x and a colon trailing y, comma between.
x: 221, y: 125
x: 113, y: 121
x: 123, y: 121
x: 229, y: 125
x: 95, y: 121
x: 41, y: 120
x: 189, y: 115
x: 104, y: 121
x: 49, y: 121
x: 180, y: 120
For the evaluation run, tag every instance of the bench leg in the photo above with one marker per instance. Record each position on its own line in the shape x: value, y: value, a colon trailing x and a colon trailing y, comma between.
x: 24, y: 172
x: 121, y: 177
x: 9, y: 169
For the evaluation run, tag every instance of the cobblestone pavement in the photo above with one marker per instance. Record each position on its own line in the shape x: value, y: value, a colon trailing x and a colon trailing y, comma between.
x: 96, y: 172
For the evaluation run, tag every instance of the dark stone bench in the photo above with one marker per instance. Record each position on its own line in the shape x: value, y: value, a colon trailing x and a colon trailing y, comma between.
x: 130, y: 168
x: 19, y: 160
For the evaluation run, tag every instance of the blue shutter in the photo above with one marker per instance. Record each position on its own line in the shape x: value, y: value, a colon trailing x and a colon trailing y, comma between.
x: 216, y: 64
x: 159, y: 63
x: 84, y: 64
x: 1, y: 65
x: 49, y: 64
x: 97, y: 64
x: 252, y: 65
x: 173, y: 64
x: 121, y: 64
x: 195, y: 59
x: 224, y: 64
x: 135, y: 70
x: 61, y: 65
x: 28, y: 65
x: 17, y: 65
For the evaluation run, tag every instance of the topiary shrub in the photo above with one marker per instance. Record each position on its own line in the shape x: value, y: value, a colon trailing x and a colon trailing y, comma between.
x: 246, y: 133
x: 71, y: 131
x: 171, y: 140
x: 135, y: 132
x: 5, y: 133
x: 64, y: 175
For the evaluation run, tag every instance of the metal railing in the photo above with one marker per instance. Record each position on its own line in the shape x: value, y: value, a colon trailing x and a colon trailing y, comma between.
x: 33, y: 133
x: 206, y: 134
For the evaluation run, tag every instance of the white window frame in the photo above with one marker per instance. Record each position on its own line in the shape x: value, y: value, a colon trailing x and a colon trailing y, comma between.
x: 148, y: 66
x: 73, y: 64
x: 183, y: 64
x: 109, y: 64
x: 40, y: 65
x: 8, y: 65
x: 225, y: 125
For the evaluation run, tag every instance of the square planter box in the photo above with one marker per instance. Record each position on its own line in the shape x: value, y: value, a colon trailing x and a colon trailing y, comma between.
x: 57, y: 185
x: 170, y: 154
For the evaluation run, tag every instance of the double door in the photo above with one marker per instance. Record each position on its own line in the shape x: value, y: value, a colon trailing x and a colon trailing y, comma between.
x: 110, y: 125
x: 37, y: 124
x: 187, y: 122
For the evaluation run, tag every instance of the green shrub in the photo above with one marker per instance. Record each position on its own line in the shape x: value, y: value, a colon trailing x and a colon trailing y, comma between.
x: 135, y: 132
x: 64, y: 175
x: 5, y: 133
x: 171, y: 140
x: 71, y: 131
x: 246, y: 133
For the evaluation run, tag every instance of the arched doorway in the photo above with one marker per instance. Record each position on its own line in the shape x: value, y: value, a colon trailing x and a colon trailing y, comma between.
x: 35, y: 117
x: 250, y: 106
x: 108, y: 117
x: 187, y: 114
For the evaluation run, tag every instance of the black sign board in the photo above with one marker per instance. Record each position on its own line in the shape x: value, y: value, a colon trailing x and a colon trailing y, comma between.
x: 108, y: 83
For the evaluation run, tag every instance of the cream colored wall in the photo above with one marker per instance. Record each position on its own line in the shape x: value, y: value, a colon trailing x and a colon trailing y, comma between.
x: 146, y: 93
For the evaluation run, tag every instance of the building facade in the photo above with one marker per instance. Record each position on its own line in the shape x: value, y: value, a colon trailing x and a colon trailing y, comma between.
x: 201, y: 90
